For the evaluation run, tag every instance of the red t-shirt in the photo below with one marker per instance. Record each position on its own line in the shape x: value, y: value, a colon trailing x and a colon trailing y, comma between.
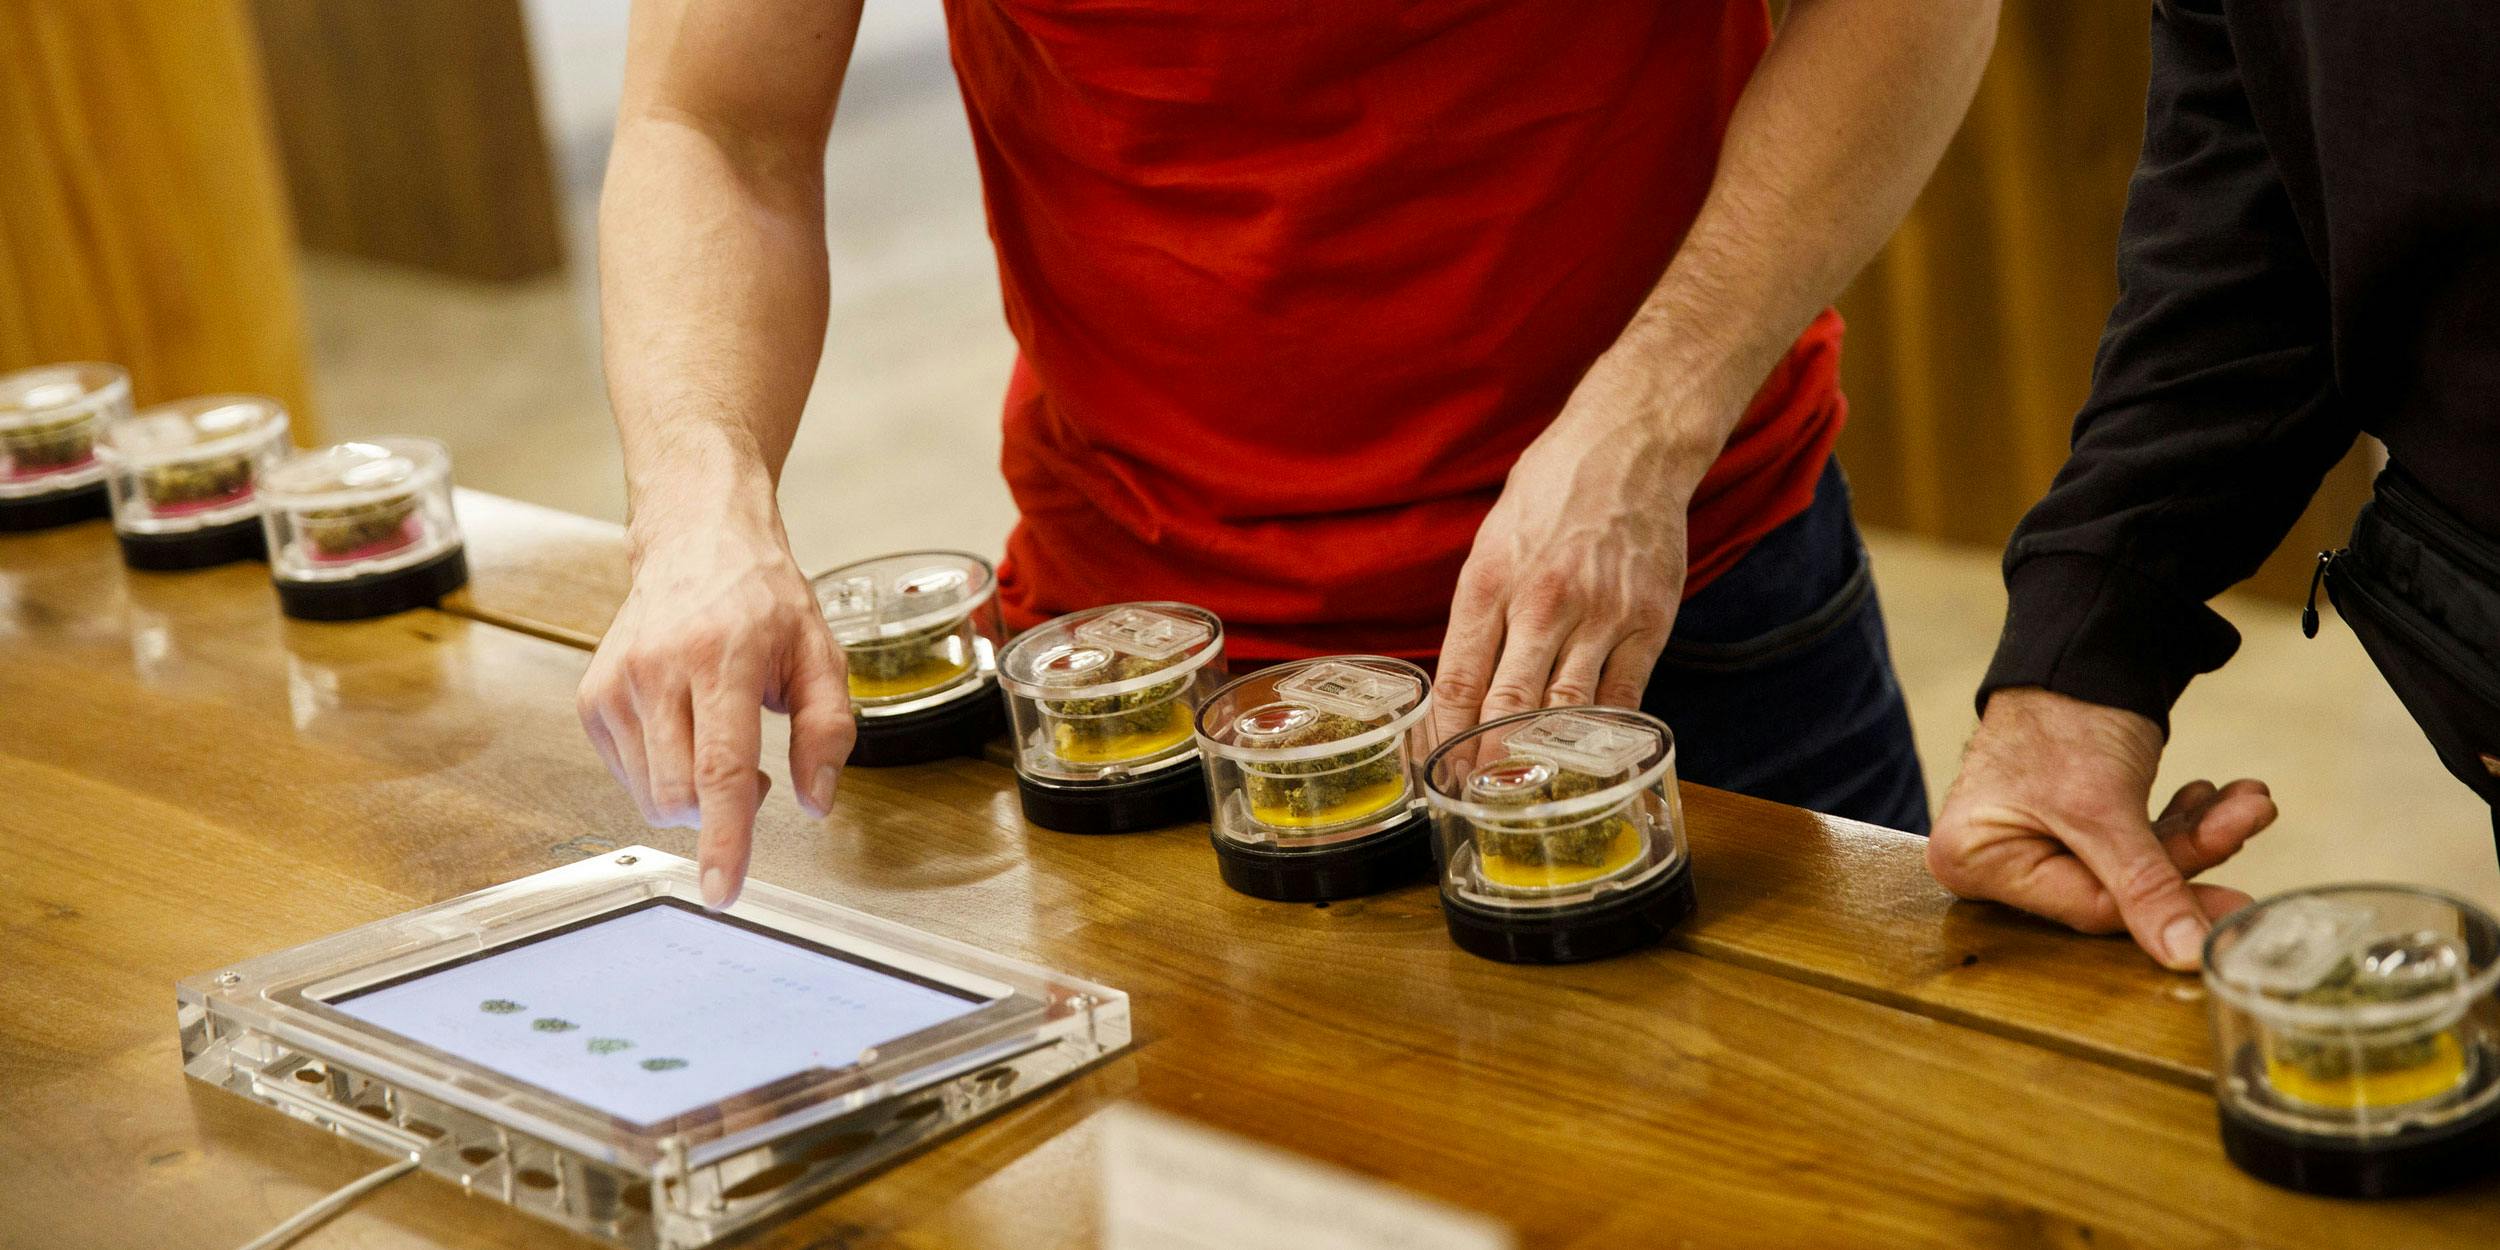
x: 1295, y: 281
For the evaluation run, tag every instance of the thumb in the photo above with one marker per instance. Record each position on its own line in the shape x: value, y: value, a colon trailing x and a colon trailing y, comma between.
x: 2152, y: 897
x: 821, y: 725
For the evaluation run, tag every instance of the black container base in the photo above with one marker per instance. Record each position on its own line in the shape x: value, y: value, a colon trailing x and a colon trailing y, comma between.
x: 2408, y: 1163
x: 1168, y: 797
x: 1386, y: 860
x: 200, y: 548
x: 1625, y: 921
x: 960, y: 726
x: 43, y: 512
x: 379, y: 594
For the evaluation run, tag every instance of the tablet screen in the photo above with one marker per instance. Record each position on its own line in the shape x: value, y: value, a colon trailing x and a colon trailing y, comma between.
x: 657, y: 1011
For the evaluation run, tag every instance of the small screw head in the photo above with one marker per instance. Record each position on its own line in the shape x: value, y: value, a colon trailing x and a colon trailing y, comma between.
x: 627, y: 859
x: 229, y: 978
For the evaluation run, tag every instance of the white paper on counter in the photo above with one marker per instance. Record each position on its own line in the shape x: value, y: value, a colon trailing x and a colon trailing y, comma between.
x: 1168, y: 1184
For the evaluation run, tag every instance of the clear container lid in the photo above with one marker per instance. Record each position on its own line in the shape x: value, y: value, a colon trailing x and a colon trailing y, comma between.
x: 1542, y: 766
x: 342, y: 476
x: 2356, y: 1011
x: 2353, y: 958
x: 198, y: 428
x: 1313, y: 709
x: 1110, y: 651
x: 903, y: 594
x: 50, y: 395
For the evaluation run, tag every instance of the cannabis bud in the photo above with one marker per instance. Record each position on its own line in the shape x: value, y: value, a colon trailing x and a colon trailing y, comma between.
x: 361, y: 530
x: 51, y: 446
x: 1328, y: 790
x: 1119, y: 726
x: 1573, y: 839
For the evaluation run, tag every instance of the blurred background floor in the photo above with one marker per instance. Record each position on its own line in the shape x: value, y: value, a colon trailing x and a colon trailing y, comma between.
x: 901, y: 441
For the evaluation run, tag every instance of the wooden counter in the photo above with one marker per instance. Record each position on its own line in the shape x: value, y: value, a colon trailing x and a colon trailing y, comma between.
x: 1831, y: 1056
x: 1839, y: 904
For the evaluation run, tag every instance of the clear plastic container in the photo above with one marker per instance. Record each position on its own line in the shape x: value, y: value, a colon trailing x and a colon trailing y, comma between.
x: 919, y: 632
x: 1310, y: 765
x: 1314, y: 751
x: 2357, y: 1038
x: 1561, y: 834
x: 50, y: 418
x: 913, y: 626
x: 183, y: 477
x: 362, y: 528
x: 1104, y: 704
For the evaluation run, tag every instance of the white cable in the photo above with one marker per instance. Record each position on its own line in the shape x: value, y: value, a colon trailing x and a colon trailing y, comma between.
x: 302, y: 1221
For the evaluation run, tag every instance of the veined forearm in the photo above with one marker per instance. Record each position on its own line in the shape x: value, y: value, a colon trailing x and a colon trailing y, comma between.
x: 1841, y: 125
x: 712, y: 294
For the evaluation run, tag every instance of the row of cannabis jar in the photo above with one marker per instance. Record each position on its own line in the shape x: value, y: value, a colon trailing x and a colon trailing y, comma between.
x: 2356, y: 1027
x: 353, y: 530
x: 1556, y: 834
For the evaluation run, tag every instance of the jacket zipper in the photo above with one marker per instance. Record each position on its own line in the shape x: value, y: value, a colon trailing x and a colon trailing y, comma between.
x: 2309, y: 610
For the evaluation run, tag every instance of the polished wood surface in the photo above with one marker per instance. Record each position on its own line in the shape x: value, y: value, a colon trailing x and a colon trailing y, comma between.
x: 537, y: 570
x: 1972, y: 334
x: 412, y: 133
x: 1842, y: 905
x: 192, y: 779
x: 141, y: 217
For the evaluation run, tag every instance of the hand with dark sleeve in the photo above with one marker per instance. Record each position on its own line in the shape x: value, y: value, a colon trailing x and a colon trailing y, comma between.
x: 2212, y: 418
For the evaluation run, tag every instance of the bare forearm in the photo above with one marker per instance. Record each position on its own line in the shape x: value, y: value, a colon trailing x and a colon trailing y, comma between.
x: 712, y: 249
x: 712, y: 300
x: 1841, y: 125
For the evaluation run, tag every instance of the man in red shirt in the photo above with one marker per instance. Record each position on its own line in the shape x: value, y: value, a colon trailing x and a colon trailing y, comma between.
x: 1455, y: 329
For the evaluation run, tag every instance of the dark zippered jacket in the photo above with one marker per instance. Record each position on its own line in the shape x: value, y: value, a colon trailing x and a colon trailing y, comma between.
x: 2311, y: 249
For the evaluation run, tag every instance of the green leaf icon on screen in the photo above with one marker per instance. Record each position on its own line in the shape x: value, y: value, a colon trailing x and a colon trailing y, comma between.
x: 500, y: 1006
x: 550, y: 1024
x: 662, y: 1065
x: 609, y: 1045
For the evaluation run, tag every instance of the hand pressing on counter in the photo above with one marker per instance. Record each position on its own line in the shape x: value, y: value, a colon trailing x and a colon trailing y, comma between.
x: 2050, y: 815
x: 719, y: 626
x: 1576, y: 573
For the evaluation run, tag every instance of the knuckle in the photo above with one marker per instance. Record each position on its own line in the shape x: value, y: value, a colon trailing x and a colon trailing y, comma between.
x: 1510, y: 696
x: 1458, y: 688
x: 647, y: 666
x: 1546, y: 588
x: 1944, y: 861
x: 1534, y: 618
x: 2143, y: 882
x: 1567, y: 690
x: 704, y: 644
x: 717, y: 766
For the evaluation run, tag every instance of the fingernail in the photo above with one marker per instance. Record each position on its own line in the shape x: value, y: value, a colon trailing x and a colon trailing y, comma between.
x: 821, y: 794
x: 2185, y: 939
x: 715, y: 888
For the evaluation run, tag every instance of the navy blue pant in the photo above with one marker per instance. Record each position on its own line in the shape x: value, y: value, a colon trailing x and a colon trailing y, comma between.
x: 1778, y: 682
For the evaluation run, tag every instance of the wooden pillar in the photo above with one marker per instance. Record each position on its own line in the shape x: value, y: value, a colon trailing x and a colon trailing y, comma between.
x: 412, y: 133
x: 142, y: 217
x: 1971, y: 336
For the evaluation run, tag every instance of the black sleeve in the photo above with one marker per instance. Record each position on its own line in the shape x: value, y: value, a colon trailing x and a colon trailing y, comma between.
x: 2212, y: 416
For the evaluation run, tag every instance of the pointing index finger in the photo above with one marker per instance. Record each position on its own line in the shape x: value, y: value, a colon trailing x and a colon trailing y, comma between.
x: 728, y: 738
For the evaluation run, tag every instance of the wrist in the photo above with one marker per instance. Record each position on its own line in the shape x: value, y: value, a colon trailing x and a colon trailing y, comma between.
x: 700, y: 496
x: 1691, y: 393
x: 2040, y: 715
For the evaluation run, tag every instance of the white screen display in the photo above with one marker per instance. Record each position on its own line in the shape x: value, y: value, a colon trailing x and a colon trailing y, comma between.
x: 655, y: 1012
